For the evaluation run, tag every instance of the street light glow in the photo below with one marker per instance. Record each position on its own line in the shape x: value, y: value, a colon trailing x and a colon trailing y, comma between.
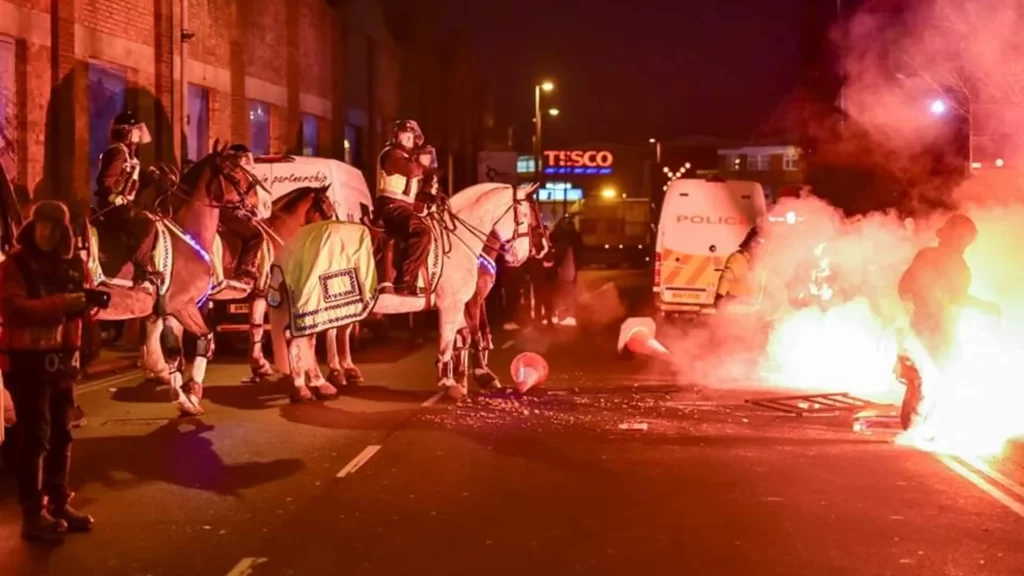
x: 609, y: 193
x: 999, y: 162
x: 652, y: 140
x: 554, y: 111
x: 547, y: 86
x: 938, y: 107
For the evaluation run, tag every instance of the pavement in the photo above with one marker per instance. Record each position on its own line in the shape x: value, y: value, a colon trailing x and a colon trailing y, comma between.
x: 611, y: 467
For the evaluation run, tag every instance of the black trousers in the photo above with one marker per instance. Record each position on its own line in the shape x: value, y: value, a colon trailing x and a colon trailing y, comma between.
x: 137, y: 228
x: 401, y: 221
x: 251, y: 237
x: 44, y: 404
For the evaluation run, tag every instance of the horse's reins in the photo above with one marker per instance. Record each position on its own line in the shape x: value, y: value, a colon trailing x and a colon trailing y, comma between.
x: 500, y: 247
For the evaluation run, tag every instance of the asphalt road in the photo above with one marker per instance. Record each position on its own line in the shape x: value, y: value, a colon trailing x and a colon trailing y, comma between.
x: 387, y: 480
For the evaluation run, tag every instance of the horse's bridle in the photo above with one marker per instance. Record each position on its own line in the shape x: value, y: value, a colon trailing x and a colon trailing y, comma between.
x: 534, y: 230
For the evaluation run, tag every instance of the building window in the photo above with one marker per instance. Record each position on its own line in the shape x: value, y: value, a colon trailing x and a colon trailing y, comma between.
x: 353, y: 145
x: 107, y: 88
x: 790, y: 161
x: 8, y: 121
x: 198, y: 133
x: 259, y: 127
x: 735, y: 163
x: 526, y: 165
x: 310, y: 145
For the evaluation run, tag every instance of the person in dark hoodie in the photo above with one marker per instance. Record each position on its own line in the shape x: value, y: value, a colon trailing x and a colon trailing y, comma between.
x: 43, y: 299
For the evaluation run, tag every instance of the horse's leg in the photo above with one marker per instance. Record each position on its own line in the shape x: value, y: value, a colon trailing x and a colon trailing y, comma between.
x: 170, y: 337
x: 335, y: 375
x: 460, y: 367
x: 299, y: 365
x: 257, y: 363
x: 353, y: 376
x: 321, y: 388
x: 204, y: 353
x: 153, y: 364
x: 451, y: 319
x: 483, y: 343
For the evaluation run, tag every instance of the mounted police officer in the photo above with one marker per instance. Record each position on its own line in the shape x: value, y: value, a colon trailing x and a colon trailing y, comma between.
x: 117, y: 183
x: 400, y: 180
x: 43, y: 298
x: 240, y: 224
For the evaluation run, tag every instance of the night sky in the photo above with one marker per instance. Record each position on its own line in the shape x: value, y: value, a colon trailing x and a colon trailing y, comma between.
x: 628, y: 71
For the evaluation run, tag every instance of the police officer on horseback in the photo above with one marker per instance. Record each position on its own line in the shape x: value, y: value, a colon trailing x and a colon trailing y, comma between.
x: 117, y: 184
x: 400, y: 180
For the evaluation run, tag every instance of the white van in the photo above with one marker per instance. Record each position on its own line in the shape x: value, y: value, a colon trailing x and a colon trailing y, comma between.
x: 702, y: 222
x: 282, y: 174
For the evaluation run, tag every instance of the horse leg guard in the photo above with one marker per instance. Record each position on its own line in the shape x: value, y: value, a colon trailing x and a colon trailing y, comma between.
x: 258, y: 365
x: 204, y: 353
x: 187, y: 404
x: 446, y: 379
x: 460, y: 356
x: 482, y: 372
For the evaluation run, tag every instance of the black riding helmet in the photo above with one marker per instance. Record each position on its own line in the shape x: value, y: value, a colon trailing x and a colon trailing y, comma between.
x: 407, y: 126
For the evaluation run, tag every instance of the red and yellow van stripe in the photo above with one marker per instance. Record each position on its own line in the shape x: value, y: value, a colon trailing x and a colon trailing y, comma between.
x: 689, y: 270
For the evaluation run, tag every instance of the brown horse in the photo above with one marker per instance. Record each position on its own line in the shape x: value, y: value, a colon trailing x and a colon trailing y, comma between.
x: 217, y: 182
x: 292, y: 211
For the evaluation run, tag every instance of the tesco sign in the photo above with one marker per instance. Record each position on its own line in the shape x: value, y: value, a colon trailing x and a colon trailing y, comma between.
x: 578, y: 162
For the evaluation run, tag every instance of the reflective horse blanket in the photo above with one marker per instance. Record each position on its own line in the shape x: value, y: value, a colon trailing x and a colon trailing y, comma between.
x: 327, y: 271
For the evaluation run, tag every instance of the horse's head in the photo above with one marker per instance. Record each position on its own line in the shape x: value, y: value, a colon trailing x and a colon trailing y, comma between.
x: 321, y: 208
x: 520, y: 227
x: 222, y: 179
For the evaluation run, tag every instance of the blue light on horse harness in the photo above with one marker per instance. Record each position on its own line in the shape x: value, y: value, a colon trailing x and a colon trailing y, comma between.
x: 205, y: 256
x: 489, y: 264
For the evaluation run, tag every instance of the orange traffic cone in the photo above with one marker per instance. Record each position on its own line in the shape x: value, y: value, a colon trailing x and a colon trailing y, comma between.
x: 637, y: 336
x: 529, y: 370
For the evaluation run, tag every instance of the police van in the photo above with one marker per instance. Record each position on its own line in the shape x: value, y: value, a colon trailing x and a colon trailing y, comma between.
x: 702, y: 222
x: 348, y: 192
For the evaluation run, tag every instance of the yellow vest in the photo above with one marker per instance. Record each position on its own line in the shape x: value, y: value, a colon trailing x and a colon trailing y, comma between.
x: 737, y: 279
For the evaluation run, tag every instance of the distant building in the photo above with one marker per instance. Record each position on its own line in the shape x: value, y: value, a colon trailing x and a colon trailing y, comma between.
x: 774, y: 167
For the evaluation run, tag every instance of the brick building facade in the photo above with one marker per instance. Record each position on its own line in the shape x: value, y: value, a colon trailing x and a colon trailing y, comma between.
x: 264, y: 72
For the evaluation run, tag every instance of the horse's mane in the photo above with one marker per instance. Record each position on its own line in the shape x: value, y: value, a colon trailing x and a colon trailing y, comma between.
x: 190, y: 178
x: 474, y: 193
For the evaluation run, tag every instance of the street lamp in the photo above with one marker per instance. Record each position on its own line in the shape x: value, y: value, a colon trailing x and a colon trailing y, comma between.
x: 546, y: 86
x: 554, y: 111
x: 609, y: 193
x: 938, y: 107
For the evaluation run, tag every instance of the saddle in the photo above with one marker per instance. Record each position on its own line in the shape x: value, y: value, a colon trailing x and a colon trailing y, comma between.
x: 388, y: 250
x: 110, y: 253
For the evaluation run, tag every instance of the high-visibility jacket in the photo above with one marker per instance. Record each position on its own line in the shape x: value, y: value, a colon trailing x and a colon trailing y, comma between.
x: 737, y: 280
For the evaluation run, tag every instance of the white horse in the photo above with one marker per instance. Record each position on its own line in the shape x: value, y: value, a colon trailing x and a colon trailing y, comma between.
x: 475, y: 218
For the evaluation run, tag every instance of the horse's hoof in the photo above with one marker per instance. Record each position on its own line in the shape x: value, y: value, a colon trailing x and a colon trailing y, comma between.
x: 486, y: 380
x: 301, y: 395
x: 454, y: 390
x: 336, y: 378
x: 261, y: 369
x: 193, y: 388
x: 353, y: 376
x: 325, y: 391
x: 189, y: 406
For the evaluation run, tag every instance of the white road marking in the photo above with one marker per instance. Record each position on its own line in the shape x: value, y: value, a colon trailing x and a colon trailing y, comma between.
x: 245, y: 566
x: 1006, y: 482
x: 105, y: 382
x: 433, y: 399
x: 980, y: 482
x: 359, y: 460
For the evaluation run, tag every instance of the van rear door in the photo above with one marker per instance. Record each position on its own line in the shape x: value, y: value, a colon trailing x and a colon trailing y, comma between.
x: 702, y: 222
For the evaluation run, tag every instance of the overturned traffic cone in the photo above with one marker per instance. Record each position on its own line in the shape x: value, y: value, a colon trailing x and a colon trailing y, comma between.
x: 637, y: 336
x: 529, y: 370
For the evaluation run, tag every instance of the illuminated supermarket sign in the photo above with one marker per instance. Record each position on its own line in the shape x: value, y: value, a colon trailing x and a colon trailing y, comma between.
x: 589, y: 162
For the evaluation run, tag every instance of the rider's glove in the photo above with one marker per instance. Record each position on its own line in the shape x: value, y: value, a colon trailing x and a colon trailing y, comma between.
x: 119, y: 199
